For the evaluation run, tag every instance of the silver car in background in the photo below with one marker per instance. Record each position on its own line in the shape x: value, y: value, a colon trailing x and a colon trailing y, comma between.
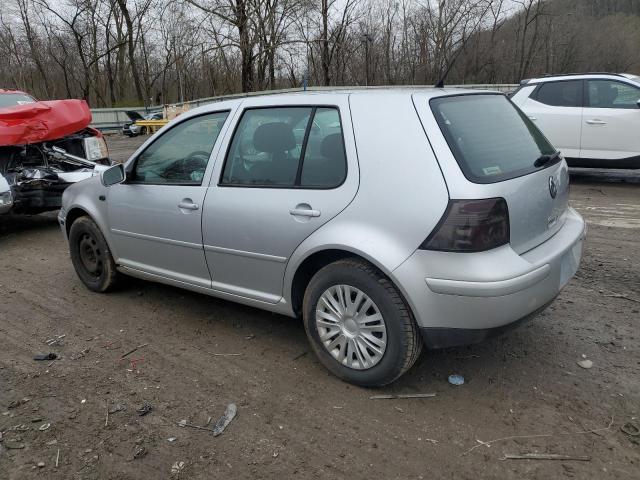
x: 387, y: 220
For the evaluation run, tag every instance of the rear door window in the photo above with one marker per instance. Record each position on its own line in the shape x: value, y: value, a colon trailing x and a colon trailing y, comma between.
x: 560, y: 94
x: 490, y: 138
x: 612, y: 94
x: 286, y: 147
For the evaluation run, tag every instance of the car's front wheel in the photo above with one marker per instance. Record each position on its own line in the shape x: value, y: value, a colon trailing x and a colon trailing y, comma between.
x: 91, y: 256
x: 359, y: 325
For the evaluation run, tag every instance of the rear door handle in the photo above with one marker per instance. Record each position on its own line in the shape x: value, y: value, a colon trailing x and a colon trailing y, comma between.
x: 187, y: 204
x: 595, y: 121
x: 532, y: 118
x: 304, y: 212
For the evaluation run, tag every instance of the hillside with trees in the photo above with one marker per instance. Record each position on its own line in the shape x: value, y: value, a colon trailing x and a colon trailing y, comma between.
x: 142, y: 52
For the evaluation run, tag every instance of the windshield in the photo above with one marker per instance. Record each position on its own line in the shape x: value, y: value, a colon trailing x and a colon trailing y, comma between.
x: 491, y: 139
x: 13, y: 99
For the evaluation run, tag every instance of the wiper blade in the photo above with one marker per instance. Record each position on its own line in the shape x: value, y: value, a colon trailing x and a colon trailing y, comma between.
x: 544, y: 159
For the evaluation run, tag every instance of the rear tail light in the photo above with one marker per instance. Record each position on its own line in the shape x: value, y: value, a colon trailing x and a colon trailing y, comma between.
x: 471, y: 226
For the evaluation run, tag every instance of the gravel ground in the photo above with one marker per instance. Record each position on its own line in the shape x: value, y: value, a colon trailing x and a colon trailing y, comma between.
x: 524, y: 392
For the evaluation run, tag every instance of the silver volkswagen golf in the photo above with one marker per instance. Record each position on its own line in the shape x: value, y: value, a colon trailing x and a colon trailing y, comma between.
x: 387, y: 220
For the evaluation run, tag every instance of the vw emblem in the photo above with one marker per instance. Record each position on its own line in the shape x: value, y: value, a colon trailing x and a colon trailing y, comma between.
x: 553, y: 187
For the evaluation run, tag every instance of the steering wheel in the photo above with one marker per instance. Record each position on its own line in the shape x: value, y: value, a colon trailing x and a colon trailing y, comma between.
x: 192, y: 166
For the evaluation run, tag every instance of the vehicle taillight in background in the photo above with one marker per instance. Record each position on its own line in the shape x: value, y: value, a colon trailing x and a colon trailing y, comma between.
x: 471, y: 226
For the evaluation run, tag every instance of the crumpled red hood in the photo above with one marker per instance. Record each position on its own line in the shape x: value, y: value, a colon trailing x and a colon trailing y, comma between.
x: 42, y: 121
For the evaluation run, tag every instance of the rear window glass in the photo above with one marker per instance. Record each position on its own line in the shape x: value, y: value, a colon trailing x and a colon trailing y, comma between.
x: 490, y: 138
x: 13, y: 99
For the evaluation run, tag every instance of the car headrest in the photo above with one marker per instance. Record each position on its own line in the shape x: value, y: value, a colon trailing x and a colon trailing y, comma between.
x: 274, y: 137
x: 332, y: 147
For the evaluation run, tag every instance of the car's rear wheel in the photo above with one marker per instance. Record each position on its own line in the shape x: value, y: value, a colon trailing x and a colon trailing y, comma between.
x: 359, y: 325
x: 143, y: 131
x: 91, y: 256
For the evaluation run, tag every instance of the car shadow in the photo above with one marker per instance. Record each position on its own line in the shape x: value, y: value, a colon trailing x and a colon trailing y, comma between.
x: 16, y: 224
x: 483, y: 364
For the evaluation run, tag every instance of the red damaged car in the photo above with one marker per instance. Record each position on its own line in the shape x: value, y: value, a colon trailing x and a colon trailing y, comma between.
x: 45, y: 147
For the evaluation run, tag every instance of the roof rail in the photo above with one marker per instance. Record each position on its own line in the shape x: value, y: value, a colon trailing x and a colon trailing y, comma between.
x: 583, y: 73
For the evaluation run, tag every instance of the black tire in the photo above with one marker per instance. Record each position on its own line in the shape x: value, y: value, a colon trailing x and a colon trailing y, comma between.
x: 91, y: 256
x: 404, y: 343
x: 143, y: 131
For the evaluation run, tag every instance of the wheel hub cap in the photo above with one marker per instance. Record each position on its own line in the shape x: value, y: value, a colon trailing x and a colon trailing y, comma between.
x: 351, y: 327
x: 90, y: 255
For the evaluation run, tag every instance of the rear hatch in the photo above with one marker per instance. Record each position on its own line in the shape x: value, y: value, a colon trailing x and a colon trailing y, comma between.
x: 488, y: 149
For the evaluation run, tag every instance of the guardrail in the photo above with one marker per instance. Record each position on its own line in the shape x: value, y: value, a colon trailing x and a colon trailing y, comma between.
x: 113, y: 118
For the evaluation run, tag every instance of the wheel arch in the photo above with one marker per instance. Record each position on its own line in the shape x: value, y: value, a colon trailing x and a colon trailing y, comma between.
x: 314, y: 261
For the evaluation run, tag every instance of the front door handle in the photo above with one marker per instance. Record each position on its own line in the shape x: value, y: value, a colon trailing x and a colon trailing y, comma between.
x: 532, y: 118
x: 187, y: 204
x: 596, y: 121
x: 300, y: 211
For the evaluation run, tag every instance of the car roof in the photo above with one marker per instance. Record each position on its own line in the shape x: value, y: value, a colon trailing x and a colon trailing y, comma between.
x: 284, y: 97
x: 576, y: 76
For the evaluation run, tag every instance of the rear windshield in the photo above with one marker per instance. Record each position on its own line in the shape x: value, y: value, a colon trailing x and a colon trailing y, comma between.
x: 490, y: 138
x: 13, y: 99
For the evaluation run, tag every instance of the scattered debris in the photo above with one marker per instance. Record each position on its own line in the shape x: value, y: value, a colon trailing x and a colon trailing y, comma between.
x: 79, y: 355
x: 133, y: 350
x: 118, y: 407
x: 456, y: 380
x: 144, y: 409
x: 631, y: 429
x: 44, y: 426
x: 140, y: 452
x: 275, y: 454
x: 57, y: 458
x: 12, y: 445
x: 40, y: 464
x: 177, y: 467
x: 585, y: 363
x: 225, y: 419
x: 45, y: 356
x: 402, y: 395
x: 226, y: 354
x: 542, y: 435
x: 545, y: 456
x: 84, y: 400
x: 57, y: 340
x: 36, y: 420
x: 221, y: 424
x: 17, y: 403
x: 171, y: 439
x: 52, y: 443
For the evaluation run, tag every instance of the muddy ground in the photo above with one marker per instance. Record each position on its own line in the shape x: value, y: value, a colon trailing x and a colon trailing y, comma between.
x: 524, y: 393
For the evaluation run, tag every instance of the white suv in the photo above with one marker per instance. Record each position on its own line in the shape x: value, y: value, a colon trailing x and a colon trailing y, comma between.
x: 594, y: 119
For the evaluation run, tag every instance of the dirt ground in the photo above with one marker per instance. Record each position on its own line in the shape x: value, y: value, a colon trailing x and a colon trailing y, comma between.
x: 523, y: 393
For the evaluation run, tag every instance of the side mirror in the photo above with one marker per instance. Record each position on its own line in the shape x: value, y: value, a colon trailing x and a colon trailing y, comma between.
x: 638, y: 103
x: 113, y: 175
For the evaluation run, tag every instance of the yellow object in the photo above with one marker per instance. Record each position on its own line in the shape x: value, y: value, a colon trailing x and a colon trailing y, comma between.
x: 152, y: 125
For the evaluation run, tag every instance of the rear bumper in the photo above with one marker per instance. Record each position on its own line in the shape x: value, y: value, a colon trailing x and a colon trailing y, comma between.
x: 461, y: 298
x: 439, y: 337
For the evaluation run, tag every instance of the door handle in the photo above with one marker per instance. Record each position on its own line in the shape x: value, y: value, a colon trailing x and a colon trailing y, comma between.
x: 304, y: 212
x: 595, y: 121
x: 532, y: 118
x: 187, y: 204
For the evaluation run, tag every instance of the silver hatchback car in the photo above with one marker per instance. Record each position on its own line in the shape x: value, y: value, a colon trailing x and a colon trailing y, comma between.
x: 385, y: 219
